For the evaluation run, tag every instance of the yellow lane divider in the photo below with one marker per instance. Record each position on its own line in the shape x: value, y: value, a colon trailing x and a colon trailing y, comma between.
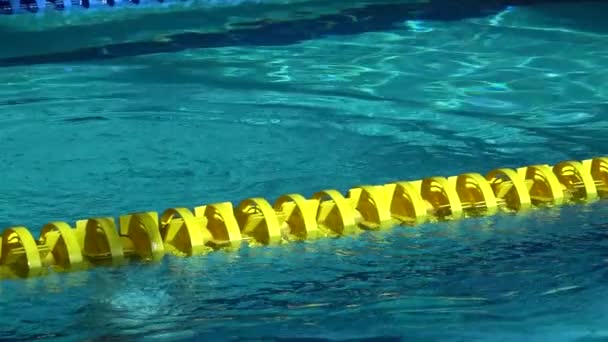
x: 328, y: 213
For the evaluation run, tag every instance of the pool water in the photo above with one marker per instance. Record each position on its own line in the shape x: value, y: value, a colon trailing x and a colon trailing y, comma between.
x: 107, y: 112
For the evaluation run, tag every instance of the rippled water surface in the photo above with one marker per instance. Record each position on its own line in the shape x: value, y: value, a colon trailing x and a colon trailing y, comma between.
x: 106, y: 113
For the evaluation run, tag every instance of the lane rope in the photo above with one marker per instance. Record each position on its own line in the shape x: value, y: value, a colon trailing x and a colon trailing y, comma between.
x: 292, y: 217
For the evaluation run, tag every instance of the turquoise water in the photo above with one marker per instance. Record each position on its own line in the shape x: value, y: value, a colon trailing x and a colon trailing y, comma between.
x: 225, y: 102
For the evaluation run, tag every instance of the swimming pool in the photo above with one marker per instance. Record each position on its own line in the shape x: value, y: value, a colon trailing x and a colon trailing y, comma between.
x: 242, y: 107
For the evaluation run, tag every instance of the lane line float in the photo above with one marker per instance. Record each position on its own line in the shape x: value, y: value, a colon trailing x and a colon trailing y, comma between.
x: 292, y: 217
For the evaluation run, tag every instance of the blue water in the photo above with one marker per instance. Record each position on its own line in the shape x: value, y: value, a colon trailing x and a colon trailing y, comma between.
x: 113, y: 111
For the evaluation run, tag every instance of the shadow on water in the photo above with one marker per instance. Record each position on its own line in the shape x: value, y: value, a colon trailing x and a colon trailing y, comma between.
x: 265, y: 32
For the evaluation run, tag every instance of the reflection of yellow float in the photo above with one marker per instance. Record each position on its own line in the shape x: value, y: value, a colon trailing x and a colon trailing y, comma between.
x: 181, y: 231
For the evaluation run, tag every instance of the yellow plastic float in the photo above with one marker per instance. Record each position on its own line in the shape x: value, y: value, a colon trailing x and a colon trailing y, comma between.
x: 328, y: 213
